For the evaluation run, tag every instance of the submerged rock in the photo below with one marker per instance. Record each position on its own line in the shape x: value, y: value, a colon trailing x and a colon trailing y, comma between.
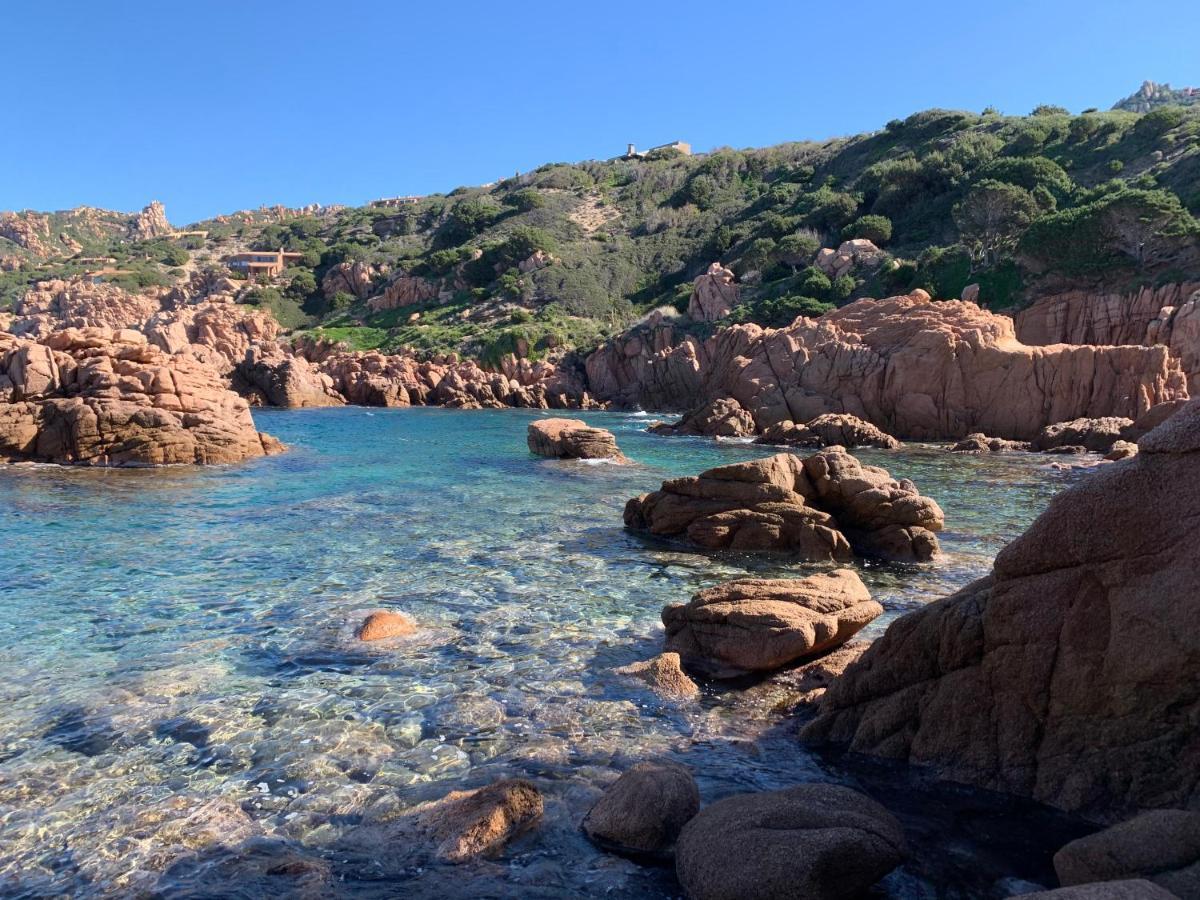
x: 1162, y: 846
x: 758, y: 624
x: 643, y: 811
x: 813, y: 841
x: 383, y: 624
x: 1066, y: 675
x: 665, y: 675
x: 817, y: 508
x: 571, y: 439
x: 465, y: 825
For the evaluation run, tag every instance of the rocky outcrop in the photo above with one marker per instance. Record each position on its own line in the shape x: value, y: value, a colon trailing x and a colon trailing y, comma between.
x: 828, y: 430
x: 981, y: 443
x: 913, y: 367
x: 1064, y: 675
x: 99, y: 397
x: 850, y: 255
x: 760, y: 624
x: 714, y: 295
x: 665, y: 676
x: 1095, y: 435
x: 571, y: 439
x: 717, y: 418
x: 78, y: 303
x: 644, y: 810
x: 1167, y: 315
x: 215, y: 330
x: 151, y: 222
x: 274, y: 378
x: 1162, y: 846
x: 404, y: 290
x: 354, y: 278
x: 817, y: 508
x: 815, y: 841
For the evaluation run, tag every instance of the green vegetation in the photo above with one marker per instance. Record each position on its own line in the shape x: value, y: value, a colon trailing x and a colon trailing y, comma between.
x: 567, y: 254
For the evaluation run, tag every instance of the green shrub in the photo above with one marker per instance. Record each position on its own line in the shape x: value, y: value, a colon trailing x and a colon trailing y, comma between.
x: 526, y: 200
x: 992, y: 217
x: 1030, y: 173
x: 1159, y: 121
x: 876, y: 229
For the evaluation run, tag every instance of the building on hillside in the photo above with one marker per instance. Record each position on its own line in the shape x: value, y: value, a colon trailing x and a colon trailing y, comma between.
x: 683, y: 147
x: 392, y: 202
x: 267, y: 263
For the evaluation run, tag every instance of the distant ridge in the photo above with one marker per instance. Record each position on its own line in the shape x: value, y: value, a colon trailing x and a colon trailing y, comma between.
x: 1152, y: 95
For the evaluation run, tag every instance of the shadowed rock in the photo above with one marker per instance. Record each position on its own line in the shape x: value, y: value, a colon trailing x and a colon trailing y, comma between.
x: 1162, y: 846
x: 813, y: 841
x: 643, y: 811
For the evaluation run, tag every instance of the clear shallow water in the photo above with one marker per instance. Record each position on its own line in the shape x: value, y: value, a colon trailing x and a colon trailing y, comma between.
x: 173, y: 650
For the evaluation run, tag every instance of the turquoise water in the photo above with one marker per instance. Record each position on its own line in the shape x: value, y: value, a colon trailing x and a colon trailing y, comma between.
x: 174, y: 649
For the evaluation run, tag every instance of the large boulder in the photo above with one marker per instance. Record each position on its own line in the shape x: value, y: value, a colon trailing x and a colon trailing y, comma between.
x: 714, y: 295
x: 914, y: 367
x: 981, y: 443
x: 99, y: 397
x: 465, y: 825
x: 571, y: 439
x: 828, y: 430
x: 1162, y: 846
x: 1096, y: 435
x: 818, y: 508
x: 643, y: 811
x: 814, y: 841
x: 762, y: 624
x: 1065, y: 675
x: 284, y: 380
x: 719, y: 418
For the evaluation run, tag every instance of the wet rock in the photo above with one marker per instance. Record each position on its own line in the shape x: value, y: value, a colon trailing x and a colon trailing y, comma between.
x: 719, y: 418
x: 644, y: 810
x: 1095, y: 435
x: 571, y: 439
x: 981, y: 443
x: 813, y: 841
x: 758, y: 625
x: 1162, y: 846
x: 811, y: 679
x: 784, y: 503
x: 465, y: 825
x: 665, y: 675
x: 828, y: 430
x: 1054, y: 643
x: 383, y: 624
x: 1121, y: 450
x: 1135, y: 889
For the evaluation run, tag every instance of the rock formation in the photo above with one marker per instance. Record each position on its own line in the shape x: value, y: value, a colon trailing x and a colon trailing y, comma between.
x: 278, y: 379
x: 571, y: 439
x: 404, y: 290
x: 354, y: 278
x: 665, y: 676
x: 1095, y: 435
x: 1167, y: 315
x: 78, y: 303
x: 914, y: 367
x: 818, y: 508
x: 644, y: 810
x: 1162, y: 846
x: 850, y: 255
x: 1062, y: 676
x: 99, y: 397
x: 717, y: 418
x: 981, y: 443
x: 828, y: 430
x: 714, y: 295
x: 819, y: 841
x: 151, y: 222
x: 760, y: 624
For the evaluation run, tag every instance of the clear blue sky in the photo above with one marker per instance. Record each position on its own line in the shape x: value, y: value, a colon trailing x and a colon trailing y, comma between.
x: 217, y: 106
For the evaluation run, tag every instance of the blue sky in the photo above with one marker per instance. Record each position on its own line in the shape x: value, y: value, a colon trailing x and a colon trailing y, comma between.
x: 217, y: 106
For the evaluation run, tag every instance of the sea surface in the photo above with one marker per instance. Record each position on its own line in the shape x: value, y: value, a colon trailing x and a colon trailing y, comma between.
x: 183, y: 711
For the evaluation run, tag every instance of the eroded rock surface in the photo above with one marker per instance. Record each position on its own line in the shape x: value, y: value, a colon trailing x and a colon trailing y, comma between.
x: 1162, y: 846
x: 714, y: 294
x: 99, y: 397
x: 818, y: 508
x: 717, y: 418
x: 571, y: 439
x: 761, y: 624
x: 828, y: 430
x: 1064, y: 675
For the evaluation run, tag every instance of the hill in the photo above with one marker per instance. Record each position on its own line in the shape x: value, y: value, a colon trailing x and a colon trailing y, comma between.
x: 570, y: 253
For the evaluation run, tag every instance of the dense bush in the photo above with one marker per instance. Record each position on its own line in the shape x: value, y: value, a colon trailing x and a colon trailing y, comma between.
x: 876, y: 229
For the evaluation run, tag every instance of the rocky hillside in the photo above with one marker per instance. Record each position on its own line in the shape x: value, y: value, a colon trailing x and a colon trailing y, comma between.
x: 1002, y: 209
x: 1151, y: 96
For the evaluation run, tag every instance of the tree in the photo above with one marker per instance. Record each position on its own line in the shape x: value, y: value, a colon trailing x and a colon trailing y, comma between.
x: 876, y: 229
x: 1145, y: 225
x: 799, y: 248
x: 992, y: 217
x: 1047, y: 109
